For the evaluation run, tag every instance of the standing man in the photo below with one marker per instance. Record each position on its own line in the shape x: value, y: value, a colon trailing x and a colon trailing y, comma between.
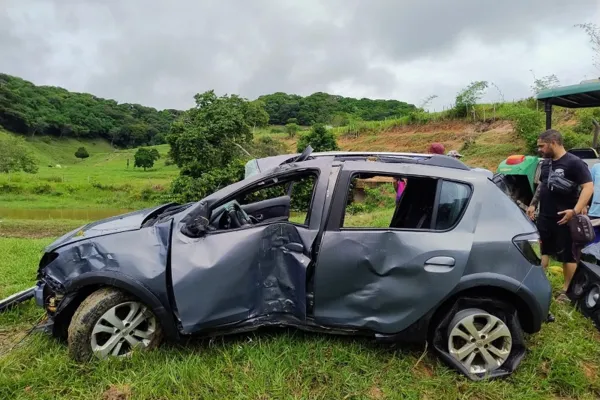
x: 559, y: 201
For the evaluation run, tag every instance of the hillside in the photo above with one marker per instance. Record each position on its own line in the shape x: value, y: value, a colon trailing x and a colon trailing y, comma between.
x: 484, y: 144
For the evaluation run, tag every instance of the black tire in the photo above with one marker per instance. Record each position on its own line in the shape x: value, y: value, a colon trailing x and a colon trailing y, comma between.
x: 503, y: 320
x: 89, y: 313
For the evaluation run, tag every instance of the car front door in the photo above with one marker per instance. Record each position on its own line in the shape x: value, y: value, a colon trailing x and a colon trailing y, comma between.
x: 258, y: 271
x: 385, y: 278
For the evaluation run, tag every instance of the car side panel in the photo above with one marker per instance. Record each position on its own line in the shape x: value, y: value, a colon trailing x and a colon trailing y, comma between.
x: 379, y: 279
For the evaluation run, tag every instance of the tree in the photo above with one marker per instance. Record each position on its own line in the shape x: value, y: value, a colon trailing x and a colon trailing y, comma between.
x: 543, y: 83
x: 155, y: 154
x: 145, y: 158
x: 82, y: 153
x: 208, y: 144
x: 468, y: 97
x: 292, y: 129
x: 593, y: 32
x: 15, y: 156
x: 319, y: 138
x: 256, y: 114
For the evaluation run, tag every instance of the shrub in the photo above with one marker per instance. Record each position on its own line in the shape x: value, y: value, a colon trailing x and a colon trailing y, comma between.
x: 319, y: 138
x: 82, y: 153
x: 292, y: 129
x: 52, y: 178
x: 584, y: 121
x: 10, y: 188
x: 16, y: 156
x: 528, y: 124
x: 43, y: 188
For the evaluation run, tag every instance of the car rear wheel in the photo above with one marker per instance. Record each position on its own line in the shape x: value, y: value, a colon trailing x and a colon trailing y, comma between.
x: 110, y: 322
x: 480, y: 341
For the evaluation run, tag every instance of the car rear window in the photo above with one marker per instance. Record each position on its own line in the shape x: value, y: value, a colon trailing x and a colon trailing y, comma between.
x: 375, y: 201
x: 453, y: 200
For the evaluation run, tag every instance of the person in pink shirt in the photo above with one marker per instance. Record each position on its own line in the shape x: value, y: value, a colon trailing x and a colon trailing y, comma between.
x: 399, y: 186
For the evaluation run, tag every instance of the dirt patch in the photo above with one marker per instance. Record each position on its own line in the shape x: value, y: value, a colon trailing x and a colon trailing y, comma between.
x: 590, y: 371
x: 9, y: 338
x: 375, y: 393
x: 117, y: 392
x: 424, y: 370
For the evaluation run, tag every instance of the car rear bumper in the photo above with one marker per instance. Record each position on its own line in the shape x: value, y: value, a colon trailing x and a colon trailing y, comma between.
x: 536, y: 291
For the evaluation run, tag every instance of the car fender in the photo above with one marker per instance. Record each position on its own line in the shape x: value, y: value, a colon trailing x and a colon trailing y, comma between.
x: 506, y: 283
x: 132, y: 286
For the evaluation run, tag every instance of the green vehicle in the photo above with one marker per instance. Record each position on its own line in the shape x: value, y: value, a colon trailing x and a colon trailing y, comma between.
x: 518, y: 175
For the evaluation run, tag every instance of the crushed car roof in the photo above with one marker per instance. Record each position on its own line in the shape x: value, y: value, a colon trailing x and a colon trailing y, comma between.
x: 259, y: 165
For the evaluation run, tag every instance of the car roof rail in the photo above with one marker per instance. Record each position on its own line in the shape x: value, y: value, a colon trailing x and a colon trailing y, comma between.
x: 434, y: 160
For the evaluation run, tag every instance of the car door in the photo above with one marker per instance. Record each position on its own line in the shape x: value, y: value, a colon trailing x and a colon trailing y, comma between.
x: 383, y: 278
x: 248, y: 273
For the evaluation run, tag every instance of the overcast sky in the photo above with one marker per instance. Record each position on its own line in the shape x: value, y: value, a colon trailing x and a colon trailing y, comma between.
x: 160, y: 53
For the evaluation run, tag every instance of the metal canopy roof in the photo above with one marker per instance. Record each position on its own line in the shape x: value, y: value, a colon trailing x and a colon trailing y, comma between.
x: 585, y: 94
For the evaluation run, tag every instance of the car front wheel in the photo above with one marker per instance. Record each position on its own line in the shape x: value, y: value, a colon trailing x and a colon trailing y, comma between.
x: 110, y: 322
x: 478, y: 340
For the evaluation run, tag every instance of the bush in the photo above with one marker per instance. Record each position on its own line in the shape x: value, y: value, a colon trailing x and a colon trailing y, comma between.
x: 43, y: 188
x: 15, y: 156
x: 7, y: 188
x: 82, y: 153
x: 584, y: 121
x: 528, y: 124
x: 292, y: 129
x: 53, y: 178
x: 266, y: 146
x: 319, y: 138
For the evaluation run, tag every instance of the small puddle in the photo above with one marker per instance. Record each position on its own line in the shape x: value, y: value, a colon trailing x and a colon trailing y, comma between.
x: 61, y: 213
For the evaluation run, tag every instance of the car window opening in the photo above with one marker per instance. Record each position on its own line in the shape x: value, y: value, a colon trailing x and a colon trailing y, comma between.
x: 277, y: 199
x: 404, y: 202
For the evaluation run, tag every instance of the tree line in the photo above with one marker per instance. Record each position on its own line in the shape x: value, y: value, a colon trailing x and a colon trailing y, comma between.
x: 47, y: 110
x: 329, y: 109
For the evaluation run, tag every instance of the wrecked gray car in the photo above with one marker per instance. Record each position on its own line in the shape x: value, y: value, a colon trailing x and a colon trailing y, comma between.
x: 454, y: 262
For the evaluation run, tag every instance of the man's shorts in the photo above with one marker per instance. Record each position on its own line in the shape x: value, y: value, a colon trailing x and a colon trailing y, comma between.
x: 555, y: 240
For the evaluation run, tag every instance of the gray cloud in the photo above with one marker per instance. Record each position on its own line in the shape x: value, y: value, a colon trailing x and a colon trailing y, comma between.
x: 160, y: 54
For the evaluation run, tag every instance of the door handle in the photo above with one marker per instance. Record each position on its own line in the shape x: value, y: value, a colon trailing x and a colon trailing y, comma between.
x: 439, y: 264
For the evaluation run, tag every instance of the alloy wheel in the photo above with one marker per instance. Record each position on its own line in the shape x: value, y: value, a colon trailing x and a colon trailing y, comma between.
x: 480, y: 341
x: 121, y: 329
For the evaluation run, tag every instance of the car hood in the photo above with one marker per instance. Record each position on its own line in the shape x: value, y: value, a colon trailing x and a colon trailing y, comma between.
x: 120, y: 223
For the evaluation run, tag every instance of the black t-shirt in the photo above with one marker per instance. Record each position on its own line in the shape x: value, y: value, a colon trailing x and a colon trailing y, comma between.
x: 572, y: 168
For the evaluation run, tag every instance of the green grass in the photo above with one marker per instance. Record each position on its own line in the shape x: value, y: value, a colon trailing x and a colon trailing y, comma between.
x: 32, y: 228
x: 101, y: 181
x: 278, y: 364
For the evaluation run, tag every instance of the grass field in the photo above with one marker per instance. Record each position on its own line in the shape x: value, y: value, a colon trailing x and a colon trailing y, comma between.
x: 563, y: 361
x: 101, y: 181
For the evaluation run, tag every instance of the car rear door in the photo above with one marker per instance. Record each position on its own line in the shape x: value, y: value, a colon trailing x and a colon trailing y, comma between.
x: 383, y: 278
x: 231, y: 276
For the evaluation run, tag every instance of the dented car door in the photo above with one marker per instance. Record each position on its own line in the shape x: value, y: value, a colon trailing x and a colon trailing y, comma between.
x: 249, y: 274
x: 384, y: 279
